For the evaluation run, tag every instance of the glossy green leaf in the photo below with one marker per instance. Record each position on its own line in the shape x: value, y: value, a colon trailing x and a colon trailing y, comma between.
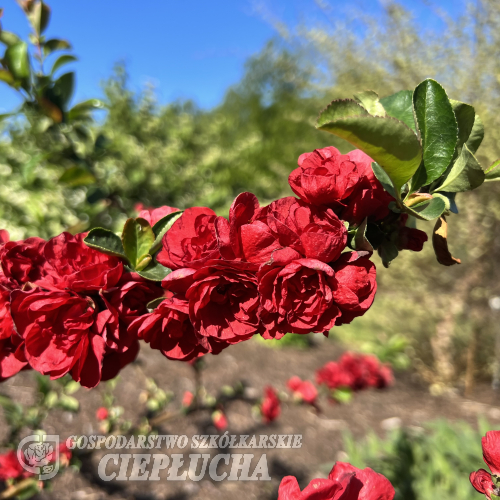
x: 387, y: 252
x: 155, y: 303
x: 493, y: 171
x: 155, y: 272
x: 341, y: 108
x: 449, y: 201
x: 61, y: 61
x: 161, y: 227
x: 77, y: 176
x: 64, y: 87
x: 137, y: 239
x: 8, y: 38
x: 400, y: 106
x: 465, y: 116
x: 361, y: 242
x: 428, y: 211
x: 17, y: 60
x: 369, y: 100
x: 83, y: 108
x: 7, y: 77
x: 388, y: 141
x: 105, y: 241
x: 384, y: 179
x: 476, y: 136
x: 466, y: 174
x: 437, y: 125
x: 55, y: 44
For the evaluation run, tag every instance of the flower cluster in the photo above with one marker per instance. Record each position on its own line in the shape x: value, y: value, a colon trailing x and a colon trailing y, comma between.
x: 285, y: 267
x: 356, y: 372
x: 482, y: 480
x: 345, y: 482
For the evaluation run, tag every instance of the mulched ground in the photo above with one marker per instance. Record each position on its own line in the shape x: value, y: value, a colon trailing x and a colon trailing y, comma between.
x: 408, y: 403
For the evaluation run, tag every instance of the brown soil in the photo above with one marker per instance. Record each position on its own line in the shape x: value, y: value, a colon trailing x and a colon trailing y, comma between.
x: 407, y: 403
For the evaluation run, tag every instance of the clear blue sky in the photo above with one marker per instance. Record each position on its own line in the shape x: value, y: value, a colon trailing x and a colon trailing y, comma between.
x: 187, y: 48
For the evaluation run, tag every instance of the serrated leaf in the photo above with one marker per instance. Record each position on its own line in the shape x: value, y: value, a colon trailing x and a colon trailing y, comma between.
x: 387, y: 141
x: 428, y: 211
x: 341, y: 108
x: 137, y: 239
x: 400, y: 106
x: 476, y: 136
x: 437, y: 125
x: 369, y: 100
x: 61, y: 61
x: 465, y: 174
x: 155, y: 272
x: 384, y: 179
x: 17, y: 60
x: 493, y: 172
x: 161, y: 227
x: 55, y: 44
x: 105, y: 241
x: 465, y: 116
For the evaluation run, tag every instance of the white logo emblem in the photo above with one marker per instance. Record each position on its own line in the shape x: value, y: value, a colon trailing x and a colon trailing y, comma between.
x: 39, y: 454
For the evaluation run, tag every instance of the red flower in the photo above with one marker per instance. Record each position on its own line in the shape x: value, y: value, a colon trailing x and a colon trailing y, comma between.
x: 356, y: 286
x: 297, y: 298
x: 253, y: 234
x: 317, y: 489
x: 153, y: 215
x: 12, y: 357
x: 369, y: 198
x: 334, y: 376
x: 362, y: 484
x: 303, y: 390
x: 187, y: 399
x: 101, y: 413
x: 4, y: 236
x: 270, y: 407
x: 22, y: 261
x: 491, y: 451
x: 483, y: 483
x: 191, y: 240
x: 224, y: 301
x: 169, y: 330
x: 324, y: 177
x: 70, y: 264
x: 219, y: 420
x: 10, y: 467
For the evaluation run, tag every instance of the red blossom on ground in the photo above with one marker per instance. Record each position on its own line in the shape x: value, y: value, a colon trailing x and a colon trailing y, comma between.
x: 271, y: 406
x: 219, y: 420
x: 303, y: 390
x: 187, y: 399
x: 102, y: 413
x: 11, y: 468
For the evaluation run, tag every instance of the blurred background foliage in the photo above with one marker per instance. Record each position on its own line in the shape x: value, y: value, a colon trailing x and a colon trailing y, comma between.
x: 82, y: 171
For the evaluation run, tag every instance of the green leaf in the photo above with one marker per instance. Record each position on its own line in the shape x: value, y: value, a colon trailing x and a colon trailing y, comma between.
x: 155, y: 303
x: 476, y: 136
x: 387, y: 252
x: 155, y: 272
x: 8, y: 38
x: 369, y: 100
x: 68, y: 403
x: 428, y: 211
x: 137, y: 239
x: 466, y: 174
x: 39, y: 17
x: 77, y: 176
x: 64, y: 86
x: 341, y: 108
x: 61, y: 61
x: 384, y: 179
x: 161, y: 227
x: 342, y: 395
x: 17, y: 60
x: 449, y: 201
x: 387, y: 141
x: 55, y: 44
x: 400, y: 106
x: 493, y: 172
x: 83, y: 108
x: 360, y: 240
x: 7, y: 77
x: 437, y: 125
x: 105, y: 241
x: 465, y: 116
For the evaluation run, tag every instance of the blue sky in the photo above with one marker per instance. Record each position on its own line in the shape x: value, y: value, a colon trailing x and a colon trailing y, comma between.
x: 187, y: 48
